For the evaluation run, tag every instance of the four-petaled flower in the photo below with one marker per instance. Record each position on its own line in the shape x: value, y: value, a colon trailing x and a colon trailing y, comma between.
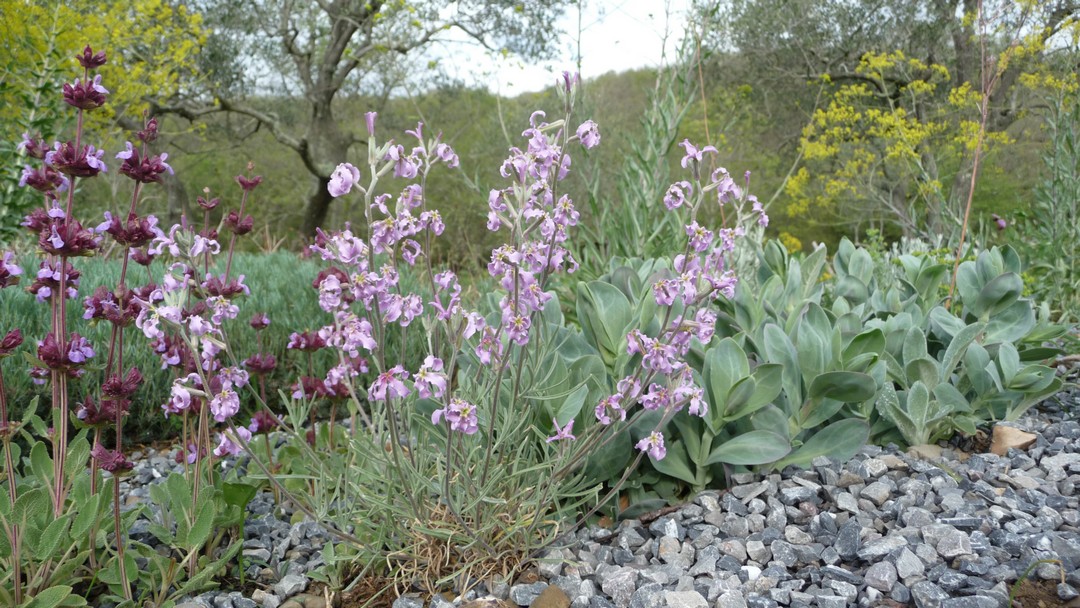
x: 342, y: 180
x: 563, y: 432
x: 653, y: 445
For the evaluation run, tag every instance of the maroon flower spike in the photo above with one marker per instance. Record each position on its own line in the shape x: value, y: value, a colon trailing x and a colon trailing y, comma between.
x: 67, y: 238
x: 10, y: 342
x: 259, y: 321
x: 260, y: 363
x: 85, y: 95
x: 111, y: 460
x: 149, y: 132
x: 249, y: 184
x: 118, y: 387
x: 91, y: 60
x: 85, y: 162
x: 309, y: 388
x: 238, y: 226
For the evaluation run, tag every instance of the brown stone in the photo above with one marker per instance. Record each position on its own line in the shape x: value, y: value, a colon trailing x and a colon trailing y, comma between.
x: 488, y: 602
x: 925, y: 451
x: 1006, y: 437
x: 551, y: 597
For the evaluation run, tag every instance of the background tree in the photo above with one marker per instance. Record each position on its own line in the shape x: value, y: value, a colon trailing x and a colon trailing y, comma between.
x: 319, y: 52
x: 874, y: 101
x: 152, y: 47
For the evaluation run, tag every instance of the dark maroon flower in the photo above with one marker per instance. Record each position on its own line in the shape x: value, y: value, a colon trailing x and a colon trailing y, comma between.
x: 85, y: 162
x: 75, y: 353
x: 67, y: 238
x: 149, y: 132
x: 136, y: 232
x: 9, y: 270
x: 263, y: 421
x: 216, y: 286
x: 91, y: 60
x: 33, y: 145
x: 122, y: 387
x: 10, y: 342
x: 249, y: 184
x: 48, y: 280
x: 93, y: 414
x: 259, y: 321
x: 145, y: 170
x: 309, y: 388
x: 45, y: 179
x: 85, y: 95
x: 307, y: 341
x: 208, y: 205
x: 112, y: 461
x: 239, y: 226
x: 326, y: 272
x: 141, y: 256
x: 261, y: 363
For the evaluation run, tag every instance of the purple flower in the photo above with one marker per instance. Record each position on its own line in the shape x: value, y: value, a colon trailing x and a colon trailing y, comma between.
x: 389, y: 385
x: 562, y: 433
x: 82, y: 163
x: 726, y: 188
x: 609, y: 406
x: 693, y: 154
x: 404, y: 166
x: 9, y: 270
x: 369, y: 121
x: 446, y: 154
x: 763, y: 218
x: 589, y: 134
x: 1000, y: 221
x: 676, y: 194
x: 653, y: 445
x: 225, y: 404
x: 343, y: 179
x: 429, y: 381
x: 232, y: 442
x: 460, y: 415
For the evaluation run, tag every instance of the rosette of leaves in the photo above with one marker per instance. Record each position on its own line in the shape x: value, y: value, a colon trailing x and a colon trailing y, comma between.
x: 698, y: 449
x: 978, y: 362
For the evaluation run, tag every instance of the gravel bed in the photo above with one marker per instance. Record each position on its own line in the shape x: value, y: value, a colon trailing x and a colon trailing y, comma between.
x: 886, y: 528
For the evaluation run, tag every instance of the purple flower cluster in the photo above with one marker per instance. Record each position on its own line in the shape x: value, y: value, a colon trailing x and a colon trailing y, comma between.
x: 700, y: 274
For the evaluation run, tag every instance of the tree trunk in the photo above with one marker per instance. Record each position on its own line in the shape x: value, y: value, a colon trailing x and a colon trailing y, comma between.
x: 176, y: 199
x: 318, y: 207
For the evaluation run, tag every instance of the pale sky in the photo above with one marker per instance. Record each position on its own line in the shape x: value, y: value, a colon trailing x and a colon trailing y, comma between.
x: 616, y: 35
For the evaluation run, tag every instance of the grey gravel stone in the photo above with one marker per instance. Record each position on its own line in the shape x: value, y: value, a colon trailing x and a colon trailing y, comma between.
x: 881, y: 576
x: 928, y: 595
x: 290, y: 585
x: 523, y: 595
